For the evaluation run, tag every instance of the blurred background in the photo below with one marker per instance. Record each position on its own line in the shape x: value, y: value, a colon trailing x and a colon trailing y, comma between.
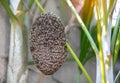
x: 69, y: 71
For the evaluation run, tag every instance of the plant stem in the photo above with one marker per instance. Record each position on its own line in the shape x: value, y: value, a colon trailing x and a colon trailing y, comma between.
x: 30, y: 62
x: 8, y: 10
x: 101, y: 58
x: 17, y: 71
x: 117, y: 46
x: 79, y: 63
x: 71, y: 51
x: 39, y: 6
x: 116, y: 78
x: 116, y: 32
x: 104, y: 15
x: 83, y: 27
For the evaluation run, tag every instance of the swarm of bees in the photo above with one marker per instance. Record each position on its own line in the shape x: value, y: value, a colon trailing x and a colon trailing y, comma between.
x: 47, y: 43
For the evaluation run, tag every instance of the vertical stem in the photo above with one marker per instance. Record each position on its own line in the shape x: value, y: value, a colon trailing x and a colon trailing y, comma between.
x: 106, y: 25
x: 17, y: 65
x: 104, y: 15
x: 79, y: 63
x: 104, y: 35
x: 84, y: 28
x: 100, y: 58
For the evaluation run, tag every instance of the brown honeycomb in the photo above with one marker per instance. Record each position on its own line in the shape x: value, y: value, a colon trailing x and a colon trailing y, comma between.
x: 47, y: 43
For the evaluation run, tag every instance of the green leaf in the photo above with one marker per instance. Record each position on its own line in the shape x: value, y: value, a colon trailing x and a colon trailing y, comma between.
x: 111, y: 6
x: 8, y: 10
x: 39, y: 6
x: 30, y: 3
x: 117, y: 77
x: 86, y: 52
x: 84, y: 28
x: 79, y: 63
x: 31, y: 63
x: 115, y: 32
x: 87, y: 12
x: 115, y: 42
x: 117, y: 47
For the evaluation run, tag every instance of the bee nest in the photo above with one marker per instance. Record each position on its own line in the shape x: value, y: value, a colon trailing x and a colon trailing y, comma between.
x: 47, y: 43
